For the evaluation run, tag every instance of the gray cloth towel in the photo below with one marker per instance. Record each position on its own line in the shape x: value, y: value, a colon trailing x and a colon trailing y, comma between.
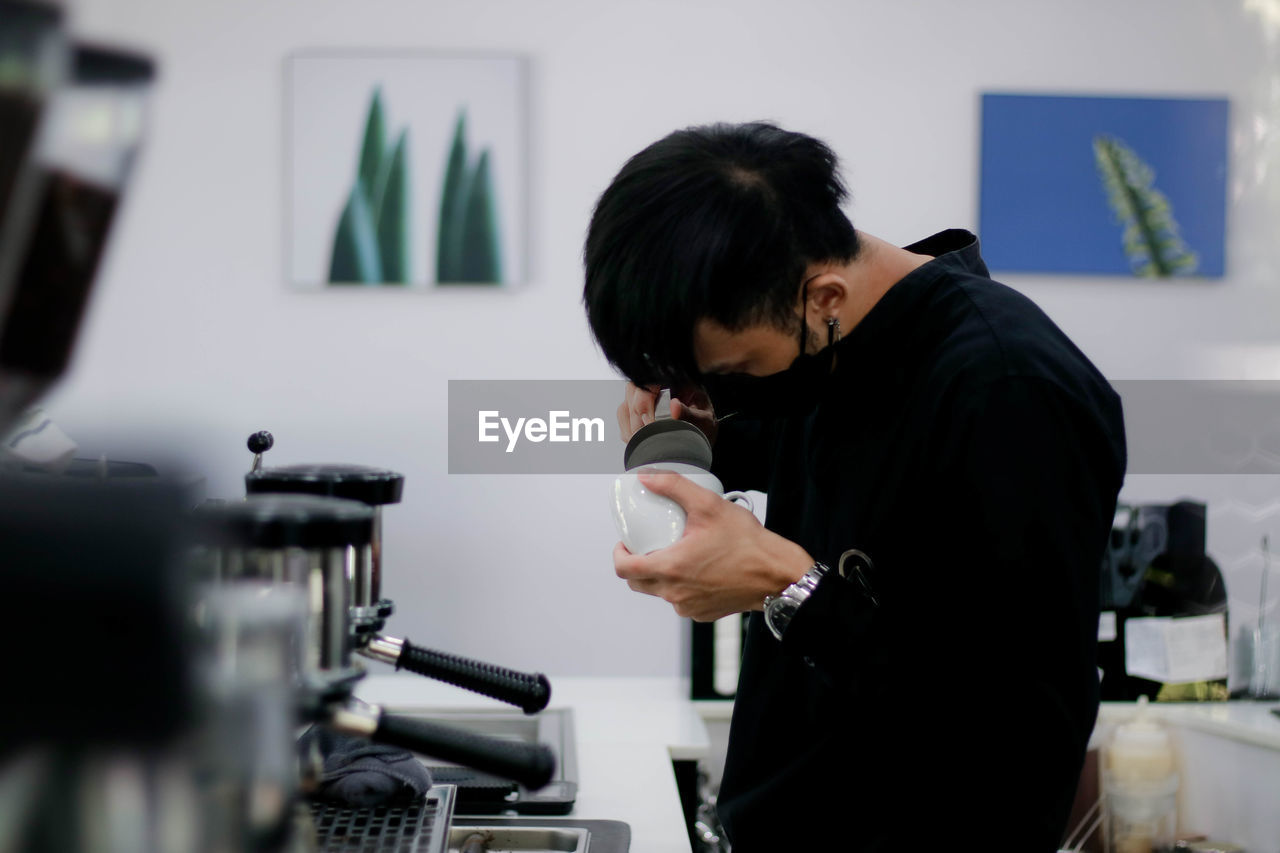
x: 360, y: 773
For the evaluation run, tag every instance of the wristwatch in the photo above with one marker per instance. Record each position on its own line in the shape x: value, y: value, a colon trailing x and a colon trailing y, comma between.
x: 780, y: 609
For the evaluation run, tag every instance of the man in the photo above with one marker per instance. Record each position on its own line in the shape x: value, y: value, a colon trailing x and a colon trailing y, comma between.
x: 942, y: 466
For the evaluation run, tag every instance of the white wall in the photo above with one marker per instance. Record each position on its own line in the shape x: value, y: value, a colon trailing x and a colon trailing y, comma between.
x: 193, y: 340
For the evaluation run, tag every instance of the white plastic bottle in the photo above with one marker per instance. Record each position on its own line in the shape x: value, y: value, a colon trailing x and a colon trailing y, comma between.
x: 1140, y: 781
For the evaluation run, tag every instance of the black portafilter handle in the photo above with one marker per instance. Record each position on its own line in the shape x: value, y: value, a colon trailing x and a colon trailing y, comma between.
x: 533, y: 765
x: 530, y: 692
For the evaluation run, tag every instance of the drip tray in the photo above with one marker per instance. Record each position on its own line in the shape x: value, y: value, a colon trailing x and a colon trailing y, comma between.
x: 420, y: 828
x: 501, y: 835
x: 477, y: 839
x: 414, y: 828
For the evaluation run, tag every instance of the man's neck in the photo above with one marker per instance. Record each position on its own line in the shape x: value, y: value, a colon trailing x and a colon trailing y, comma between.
x: 879, y: 266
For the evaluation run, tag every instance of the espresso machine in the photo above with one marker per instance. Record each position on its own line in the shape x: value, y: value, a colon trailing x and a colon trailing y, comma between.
x: 369, y: 610
x: 310, y: 543
x: 167, y: 651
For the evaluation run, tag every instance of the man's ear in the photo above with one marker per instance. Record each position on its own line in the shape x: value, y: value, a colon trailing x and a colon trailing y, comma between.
x: 828, y: 293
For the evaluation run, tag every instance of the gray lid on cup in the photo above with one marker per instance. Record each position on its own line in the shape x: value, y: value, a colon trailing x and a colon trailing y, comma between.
x: 667, y: 440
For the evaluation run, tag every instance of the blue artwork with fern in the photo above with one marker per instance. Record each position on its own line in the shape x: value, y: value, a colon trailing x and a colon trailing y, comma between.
x: 1151, y: 235
x: 1104, y: 185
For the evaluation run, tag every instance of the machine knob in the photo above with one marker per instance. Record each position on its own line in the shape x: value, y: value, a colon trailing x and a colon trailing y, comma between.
x: 261, y: 442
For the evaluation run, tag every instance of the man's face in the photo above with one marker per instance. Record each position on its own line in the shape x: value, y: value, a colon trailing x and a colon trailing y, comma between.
x: 756, y: 350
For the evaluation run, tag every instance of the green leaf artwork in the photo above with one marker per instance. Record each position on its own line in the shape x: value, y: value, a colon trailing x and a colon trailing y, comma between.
x: 371, y: 241
x: 1151, y: 235
x: 375, y: 142
x: 393, y: 216
x: 467, y: 236
x: 355, y: 245
x: 480, y: 261
x: 453, y: 200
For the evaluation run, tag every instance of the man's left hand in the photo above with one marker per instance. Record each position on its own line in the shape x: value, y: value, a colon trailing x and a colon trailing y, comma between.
x: 726, y: 562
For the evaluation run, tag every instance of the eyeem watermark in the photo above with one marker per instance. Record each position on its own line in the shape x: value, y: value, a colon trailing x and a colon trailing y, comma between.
x: 535, y: 426
x: 558, y: 426
x: 570, y: 426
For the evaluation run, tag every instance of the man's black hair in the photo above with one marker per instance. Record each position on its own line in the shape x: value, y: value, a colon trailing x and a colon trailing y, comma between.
x: 718, y: 221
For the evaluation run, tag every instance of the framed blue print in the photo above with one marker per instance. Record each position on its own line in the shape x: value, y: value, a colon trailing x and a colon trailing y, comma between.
x: 1104, y: 185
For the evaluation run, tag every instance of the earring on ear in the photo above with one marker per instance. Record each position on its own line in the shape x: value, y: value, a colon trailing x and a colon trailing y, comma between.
x: 833, y: 330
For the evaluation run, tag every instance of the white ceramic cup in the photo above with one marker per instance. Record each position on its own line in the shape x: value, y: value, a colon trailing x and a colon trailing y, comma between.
x: 648, y: 521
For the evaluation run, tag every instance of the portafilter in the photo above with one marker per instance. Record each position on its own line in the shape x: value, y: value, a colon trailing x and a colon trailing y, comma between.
x: 377, y: 487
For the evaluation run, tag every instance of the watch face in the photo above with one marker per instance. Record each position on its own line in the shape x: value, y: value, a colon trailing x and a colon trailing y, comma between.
x: 778, y: 611
x: 777, y: 614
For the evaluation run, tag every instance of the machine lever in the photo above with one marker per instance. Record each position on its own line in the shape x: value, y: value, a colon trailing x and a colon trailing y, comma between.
x: 533, y: 765
x: 529, y: 692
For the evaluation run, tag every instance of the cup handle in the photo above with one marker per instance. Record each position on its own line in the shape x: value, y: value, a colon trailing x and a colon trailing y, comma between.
x: 740, y: 496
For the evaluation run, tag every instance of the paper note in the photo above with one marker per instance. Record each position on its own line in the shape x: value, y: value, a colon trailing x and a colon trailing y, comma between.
x: 1178, y: 649
x: 1106, y: 626
x: 1144, y: 652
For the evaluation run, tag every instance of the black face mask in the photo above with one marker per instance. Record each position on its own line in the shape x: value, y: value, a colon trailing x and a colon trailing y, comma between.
x: 787, y: 393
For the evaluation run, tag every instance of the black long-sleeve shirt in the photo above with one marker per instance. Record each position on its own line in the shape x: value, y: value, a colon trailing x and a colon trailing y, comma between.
x: 975, y: 454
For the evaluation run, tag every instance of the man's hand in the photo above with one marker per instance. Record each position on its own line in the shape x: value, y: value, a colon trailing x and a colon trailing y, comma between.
x: 726, y: 562
x: 639, y: 407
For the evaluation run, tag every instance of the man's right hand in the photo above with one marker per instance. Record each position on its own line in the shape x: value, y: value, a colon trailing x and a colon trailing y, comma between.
x: 639, y: 407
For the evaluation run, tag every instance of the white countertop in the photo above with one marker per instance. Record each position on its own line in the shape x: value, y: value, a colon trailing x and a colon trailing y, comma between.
x: 1240, y: 720
x: 628, y: 731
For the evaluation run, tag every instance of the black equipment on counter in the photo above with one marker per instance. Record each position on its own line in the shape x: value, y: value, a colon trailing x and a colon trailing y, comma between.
x: 1155, y: 565
x: 103, y: 692
x: 95, y: 598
